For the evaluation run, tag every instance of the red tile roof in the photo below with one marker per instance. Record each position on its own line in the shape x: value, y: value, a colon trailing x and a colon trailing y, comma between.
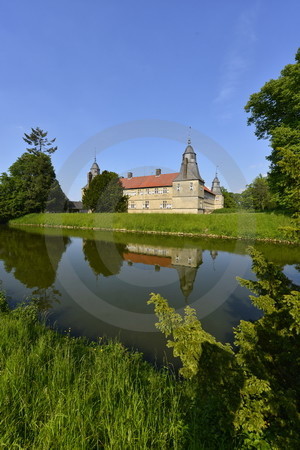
x: 149, y: 181
x: 163, y: 261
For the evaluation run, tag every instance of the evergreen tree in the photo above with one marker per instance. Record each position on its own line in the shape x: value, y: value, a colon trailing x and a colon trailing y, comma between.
x: 39, y: 142
x: 57, y: 200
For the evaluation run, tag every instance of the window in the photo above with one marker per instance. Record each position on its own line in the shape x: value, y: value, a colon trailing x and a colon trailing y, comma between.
x: 191, y: 186
x: 132, y: 205
x: 156, y: 191
x: 164, y: 205
x: 147, y: 191
x: 146, y: 204
x: 165, y: 190
x: 178, y: 186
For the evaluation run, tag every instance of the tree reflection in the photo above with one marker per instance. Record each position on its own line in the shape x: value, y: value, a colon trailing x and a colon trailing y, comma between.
x: 105, y: 258
x: 33, y: 258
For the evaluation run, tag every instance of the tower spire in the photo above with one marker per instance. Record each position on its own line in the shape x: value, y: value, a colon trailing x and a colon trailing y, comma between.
x: 189, y: 136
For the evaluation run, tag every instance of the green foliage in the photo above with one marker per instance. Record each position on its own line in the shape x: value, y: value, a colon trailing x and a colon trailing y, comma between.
x: 38, y: 141
x: 230, y: 199
x: 269, y: 349
x: 105, y: 194
x: 187, y: 332
x: 3, y: 303
x: 255, y: 391
x: 30, y: 185
x: 57, y: 200
x: 271, y: 285
x: 275, y: 111
x: 257, y: 195
x: 26, y: 188
x: 277, y: 103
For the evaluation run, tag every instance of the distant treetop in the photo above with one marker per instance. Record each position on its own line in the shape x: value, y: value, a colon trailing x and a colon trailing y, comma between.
x: 39, y: 142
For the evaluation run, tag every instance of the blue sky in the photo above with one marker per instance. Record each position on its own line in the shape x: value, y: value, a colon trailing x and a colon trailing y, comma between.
x: 76, y: 68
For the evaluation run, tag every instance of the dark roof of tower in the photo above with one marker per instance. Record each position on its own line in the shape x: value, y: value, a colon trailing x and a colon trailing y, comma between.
x: 189, y: 168
x: 95, y: 165
x: 189, y: 148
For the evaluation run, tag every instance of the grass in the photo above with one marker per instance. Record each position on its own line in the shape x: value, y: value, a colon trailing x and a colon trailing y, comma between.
x: 234, y: 225
x: 65, y: 393
x: 61, y: 392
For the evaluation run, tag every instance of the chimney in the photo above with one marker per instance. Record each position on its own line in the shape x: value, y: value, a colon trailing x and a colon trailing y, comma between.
x: 129, y: 175
x: 157, y: 172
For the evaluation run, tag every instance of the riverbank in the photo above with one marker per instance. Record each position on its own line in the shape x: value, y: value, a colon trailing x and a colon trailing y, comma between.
x: 58, y: 391
x: 63, y: 392
x: 250, y: 226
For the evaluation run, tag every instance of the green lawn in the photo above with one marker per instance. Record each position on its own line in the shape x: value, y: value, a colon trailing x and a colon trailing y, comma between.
x: 237, y: 225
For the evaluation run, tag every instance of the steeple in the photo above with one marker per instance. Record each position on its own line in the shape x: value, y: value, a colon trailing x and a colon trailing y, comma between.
x: 189, y: 167
x: 215, y: 187
x: 95, y: 169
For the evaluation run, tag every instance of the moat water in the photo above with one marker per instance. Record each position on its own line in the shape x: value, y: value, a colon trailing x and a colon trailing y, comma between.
x: 96, y: 284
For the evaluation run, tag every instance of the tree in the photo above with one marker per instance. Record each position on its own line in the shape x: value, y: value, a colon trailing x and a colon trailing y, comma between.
x: 275, y: 112
x: 39, y: 142
x: 26, y: 188
x: 257, y: 195
x: 30, y: 184
x: 105, y: 194
x: 57, y: 200
x: 255, y: 390
x: 229, y: 198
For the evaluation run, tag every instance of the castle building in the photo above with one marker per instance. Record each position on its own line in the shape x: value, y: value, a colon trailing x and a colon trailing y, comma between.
x: 180, y: 192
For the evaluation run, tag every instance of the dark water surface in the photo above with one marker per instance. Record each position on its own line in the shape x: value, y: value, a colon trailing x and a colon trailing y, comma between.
x: 98, y: 283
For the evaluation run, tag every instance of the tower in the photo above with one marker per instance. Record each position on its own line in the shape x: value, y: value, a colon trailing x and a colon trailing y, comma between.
x: 188, y: 186
x: 216, y: 189
x: 94, y: 171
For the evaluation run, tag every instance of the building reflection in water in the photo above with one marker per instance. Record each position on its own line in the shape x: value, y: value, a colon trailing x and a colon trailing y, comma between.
x: 106, y: 258
x: 185, y: 261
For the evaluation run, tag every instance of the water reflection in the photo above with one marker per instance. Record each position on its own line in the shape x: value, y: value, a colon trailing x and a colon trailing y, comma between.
x: 103, y: 280
x: 185, y: 261
x: 33, y: 262
x: 105, y: 258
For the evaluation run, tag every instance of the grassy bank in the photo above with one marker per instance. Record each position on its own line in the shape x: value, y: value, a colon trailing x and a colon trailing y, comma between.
x: 239, y: 225
x: 64, y: 393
